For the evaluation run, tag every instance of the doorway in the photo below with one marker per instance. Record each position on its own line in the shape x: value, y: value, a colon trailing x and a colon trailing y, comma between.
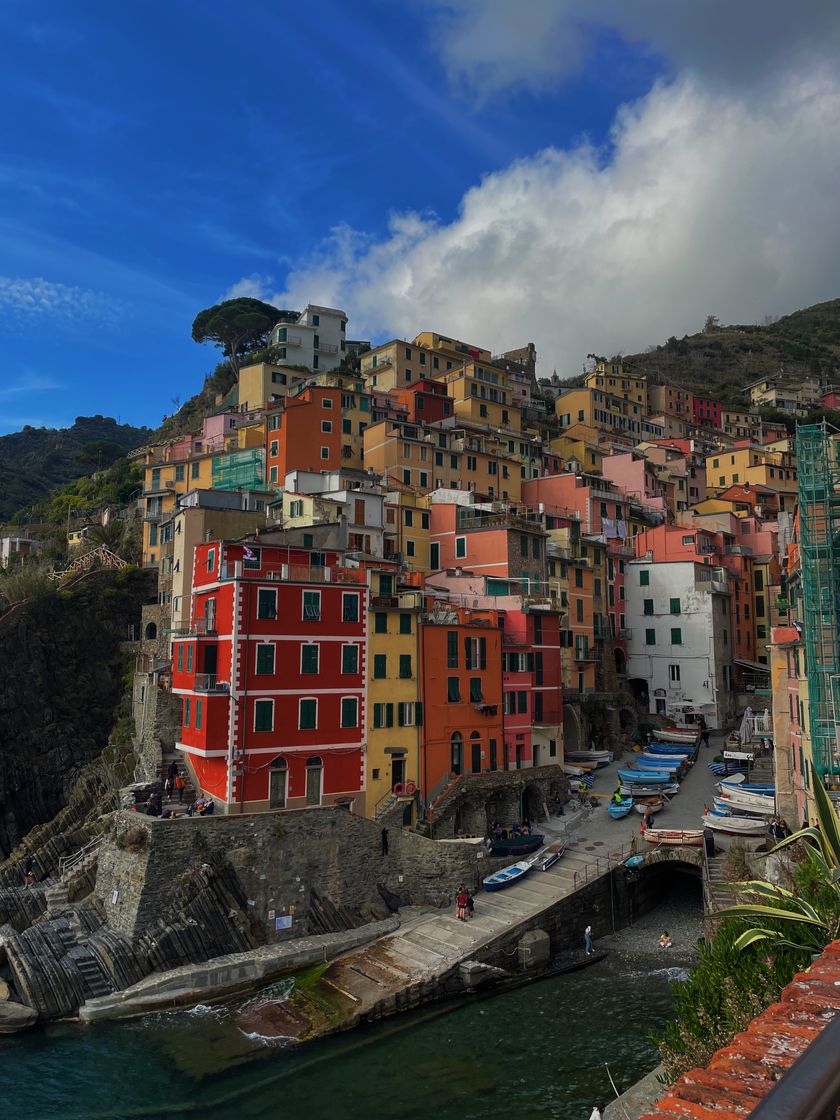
x: 278, y: 782
x: 456, y: 747
x: 211, y: 659
x: 475, y: 753
x: 397, y: 772
x: 314, y: 780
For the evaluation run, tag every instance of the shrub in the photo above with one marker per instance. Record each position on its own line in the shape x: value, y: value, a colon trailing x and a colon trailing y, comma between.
x: 133, y: 840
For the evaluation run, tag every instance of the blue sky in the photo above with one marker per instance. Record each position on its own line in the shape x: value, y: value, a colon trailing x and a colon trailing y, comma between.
x: 159, y: 154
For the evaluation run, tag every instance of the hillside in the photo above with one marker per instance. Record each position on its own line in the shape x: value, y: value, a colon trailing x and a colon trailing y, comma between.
x: 720, y: 361
x: 36, y: 461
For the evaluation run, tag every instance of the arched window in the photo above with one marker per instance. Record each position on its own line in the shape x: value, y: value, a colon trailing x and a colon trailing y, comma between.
x: 278, y: 783
x: 314, y: 780
x: 456, y: 744
x: 151, y: 632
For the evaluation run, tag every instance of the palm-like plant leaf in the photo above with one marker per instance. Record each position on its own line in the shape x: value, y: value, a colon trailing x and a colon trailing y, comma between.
x: 774, y: 912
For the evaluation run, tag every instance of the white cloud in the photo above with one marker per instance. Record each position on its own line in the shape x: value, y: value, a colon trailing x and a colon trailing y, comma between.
x: 24, y: 297
x: 707, y: 203
x: 490, y: 45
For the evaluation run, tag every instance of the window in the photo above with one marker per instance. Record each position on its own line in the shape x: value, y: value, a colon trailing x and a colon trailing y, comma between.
x: 307, y: 715
x: 347, y: 427
x: 179, y: 473
x: 688, y: 540
x: 759, y: 604
x: 189, y: 658
x: 434, y: 557
x: 187, y: 710
x: 405, y: 666
x: 380, y: 666
x: 309, y: 658
x: 648, y: 606
x: 460, y: 547
x: 405, y: 714
x: 211, y: 559
x: 350, y: 608
x: 579, y: 609
x: 349, y: 711
x: 452, y: 649
x: 578, y: 577
x: 199, y: 712
x: 522, y: 703
x: 409, y: 548
x: 266, y: 603
x: 475, y: 653
x: 476, y: 695
x: 325, y: 453
x: 523, y: 546
x: 759, y: 581
x: 265, y: 660
x: 349, y: 659
x: 453, y: 690
x: 674, y: 673
x: 263, y: 715
x: 380, y: 623
x: 316, y: 320
x: 326, y: 402
x: 312, y: 606
x: 326, y: 426
x: 195, y: 470
x: 405, y: 623
x: 650, y: 637
x: 180, y: 656
x: 383, y: 715
x: 676, y: 636
x: 675, y: 606
x: 644, y: 577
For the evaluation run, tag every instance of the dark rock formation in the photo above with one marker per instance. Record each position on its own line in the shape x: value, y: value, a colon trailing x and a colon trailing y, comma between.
x: 61, y: 682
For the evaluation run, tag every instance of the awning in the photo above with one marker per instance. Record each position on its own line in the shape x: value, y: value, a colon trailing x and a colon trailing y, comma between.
x: 755, y: 666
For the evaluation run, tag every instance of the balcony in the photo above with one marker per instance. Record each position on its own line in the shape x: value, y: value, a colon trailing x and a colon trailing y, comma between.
x: 201, y: 628
x: 383, y: 602
x: 327, y: 348
x: 209, y: 682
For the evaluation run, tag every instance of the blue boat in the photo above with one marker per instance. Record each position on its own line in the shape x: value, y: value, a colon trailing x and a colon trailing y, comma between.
x: 670, y: 748
x: 619, y: 809
x: 646, y: 777
x: 663, y: 764
x: 511, y: 874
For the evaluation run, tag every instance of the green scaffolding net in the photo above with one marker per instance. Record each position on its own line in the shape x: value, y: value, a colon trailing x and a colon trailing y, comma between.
x: 239, y: 470
x: 819, y: 538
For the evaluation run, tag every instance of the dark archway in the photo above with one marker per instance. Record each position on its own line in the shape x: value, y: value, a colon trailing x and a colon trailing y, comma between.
x: 620, y: 661
x: 571, y: 728
x: 151, y: 632
x: 638, y: 688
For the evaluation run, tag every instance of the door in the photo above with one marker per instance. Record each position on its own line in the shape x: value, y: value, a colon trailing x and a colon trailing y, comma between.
x: 475, y: 750
x: 314, y: 776
x: 535, y: 750
x: 277, y: 784
x: 211, y: 656
x: 457, y: 747
x: 660, y: 707
x: 397, y: 773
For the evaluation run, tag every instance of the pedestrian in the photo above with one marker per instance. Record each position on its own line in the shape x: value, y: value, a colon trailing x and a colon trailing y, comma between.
x: 461, y: 903
x: 172, y: 771
x: 29, y: 870
x: 596, y: 1112
x: 470, y: 904
x: 169, y: 787
x: 587, y: 941
x: 665, y: 941
x: 180, y: 785
x: 384, y: 841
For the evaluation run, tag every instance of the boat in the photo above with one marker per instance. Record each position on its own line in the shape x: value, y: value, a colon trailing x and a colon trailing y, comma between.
x: 639, y: 789
x: 619, y: 809
x: 659, y: 762
x: 644, y: 805
x: 745, y: 799
x: 575, y: 771
x: 740, y: 826
x: 735, y: 808
x: 646, y: 777
x: 590, y: 758
x: 511, y: 874
x: 740, y: 781
x: 516, y: 845
x: 676, y: 734
x: 543, y: 860
x: 678, y: 750
x: 687, y: 838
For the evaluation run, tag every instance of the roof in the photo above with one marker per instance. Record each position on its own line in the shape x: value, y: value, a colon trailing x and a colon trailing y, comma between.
x: 785, y: 636
x: 741, y: 1074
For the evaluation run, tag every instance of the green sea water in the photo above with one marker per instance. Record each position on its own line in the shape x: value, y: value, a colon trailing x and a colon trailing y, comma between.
x: 538, y: 1053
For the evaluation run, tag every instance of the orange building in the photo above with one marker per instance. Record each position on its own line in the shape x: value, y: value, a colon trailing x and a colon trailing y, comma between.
x: 461, y: 653
x: 303, y: 433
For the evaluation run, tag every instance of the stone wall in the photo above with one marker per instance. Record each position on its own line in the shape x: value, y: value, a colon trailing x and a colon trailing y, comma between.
x: 320, y: 866
x: 473, y: 801
x: 157, y: 722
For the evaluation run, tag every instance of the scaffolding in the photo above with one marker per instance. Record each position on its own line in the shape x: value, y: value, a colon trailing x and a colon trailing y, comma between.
x: 240, y: 470
x: 819, y: 510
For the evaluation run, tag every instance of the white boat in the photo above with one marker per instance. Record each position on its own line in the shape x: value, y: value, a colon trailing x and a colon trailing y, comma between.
x: 590, y: 758
x: 734, y: 809
x: 644, y: 805
x: 676, y: 734
x: 639, y: 789
x: 739, y: 826
x: 751, y: 802
x: 681, y: 837
x: 575, y: 771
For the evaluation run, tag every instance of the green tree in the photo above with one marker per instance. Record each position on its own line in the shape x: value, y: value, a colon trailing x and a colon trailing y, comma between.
x: 236, y: 326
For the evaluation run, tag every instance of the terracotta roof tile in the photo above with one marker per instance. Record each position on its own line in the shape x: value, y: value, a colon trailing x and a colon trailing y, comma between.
x: 741, y: 1074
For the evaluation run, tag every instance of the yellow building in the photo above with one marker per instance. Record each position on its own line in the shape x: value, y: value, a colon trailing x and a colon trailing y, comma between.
x: 393, y: 710
x: 756, y: 465
x: 411, y: 456
x: 407, y: 523
x: 481, y: 395
x: 397, y: 363
x: 672, y: 400
x: 263, y: 382
x: 580, y: 442
x: 610, y: 377
x: 741, y: 425
x: 602, y: 411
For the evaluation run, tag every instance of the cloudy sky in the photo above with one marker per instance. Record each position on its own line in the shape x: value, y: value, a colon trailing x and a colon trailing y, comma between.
x: 584, y: 174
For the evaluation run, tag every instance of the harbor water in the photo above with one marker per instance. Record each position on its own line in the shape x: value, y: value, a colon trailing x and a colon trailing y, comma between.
x: 539, y: 1051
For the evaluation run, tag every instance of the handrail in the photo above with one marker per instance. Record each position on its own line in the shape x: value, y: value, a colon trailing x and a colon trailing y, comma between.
x: 810, y: 1089
x: 67, y: 863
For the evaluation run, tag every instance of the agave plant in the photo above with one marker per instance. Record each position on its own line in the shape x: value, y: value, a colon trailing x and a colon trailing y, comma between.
x: 786, y: 919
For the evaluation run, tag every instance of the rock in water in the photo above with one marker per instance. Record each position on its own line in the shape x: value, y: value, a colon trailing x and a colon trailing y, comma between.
x: 16, y: 1017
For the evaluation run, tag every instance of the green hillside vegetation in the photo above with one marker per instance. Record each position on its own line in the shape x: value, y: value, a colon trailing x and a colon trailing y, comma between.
x: 36, y: 461
x: 719, y: 361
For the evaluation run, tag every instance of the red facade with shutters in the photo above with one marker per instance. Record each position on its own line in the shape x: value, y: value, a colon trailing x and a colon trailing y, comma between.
x: 272, y: 677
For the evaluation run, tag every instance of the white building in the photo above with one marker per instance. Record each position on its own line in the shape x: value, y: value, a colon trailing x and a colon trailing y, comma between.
x: 14, y: 549
x: 681, y: 640
x: 316, y: 338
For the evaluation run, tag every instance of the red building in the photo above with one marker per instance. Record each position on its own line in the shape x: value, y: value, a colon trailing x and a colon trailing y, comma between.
x: 303, y: 433
x: 533, y: 692
x: 272, y: 677
x: 707, y: 413
x: 425, y: 401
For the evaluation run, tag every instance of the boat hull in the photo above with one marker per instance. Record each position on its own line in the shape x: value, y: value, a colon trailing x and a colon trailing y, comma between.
x: 675, y: 735
x: 646, y: 777
x: 517, y: 846
x: 737, y: 826
x: 507, y: 876
x: 617, y: 811
x: 686, y: 838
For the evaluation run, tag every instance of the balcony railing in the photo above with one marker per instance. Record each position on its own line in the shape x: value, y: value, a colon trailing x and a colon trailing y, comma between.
x: 327, y: 348
x: 209, y: 682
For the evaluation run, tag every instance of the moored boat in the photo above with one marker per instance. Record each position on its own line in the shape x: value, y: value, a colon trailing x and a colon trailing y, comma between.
x: 751, y: 802
x: 690, y: 838
x: 545, y: 859
x: 740, y: 826
x: 735, y: 808
x: 516, y: 845
x: 641, y: 789
x: 680, y: 750
x: 644, y: 805
x: 590, y: 758
x: 676, y: 734
x: 646, y: 777
x: 507, y: 875
x: 619, y: 809
x: 659, y: 762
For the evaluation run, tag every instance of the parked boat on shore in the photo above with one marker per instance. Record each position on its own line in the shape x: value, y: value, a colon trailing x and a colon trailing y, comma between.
x: 739, y: 826
x: 642, y: 789
x: 646, y: 777
x: 548, y: 857
x: 691, y: 838
x: 619, y: 809
x: 644, y: 805
x: 676, y: 734
x: 516, y: 845
x: 507, y: 875
x: 590, y: 758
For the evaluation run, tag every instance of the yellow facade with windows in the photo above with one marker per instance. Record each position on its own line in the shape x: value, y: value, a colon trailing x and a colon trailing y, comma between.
x: 393, y: 714
x: 263, y: 382
x: 481, y: 395
x: 757, y: 466
x: 407, y: 527
x: 610, y: 377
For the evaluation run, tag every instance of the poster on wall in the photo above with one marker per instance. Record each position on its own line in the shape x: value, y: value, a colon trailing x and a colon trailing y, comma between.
x: 283, y: 922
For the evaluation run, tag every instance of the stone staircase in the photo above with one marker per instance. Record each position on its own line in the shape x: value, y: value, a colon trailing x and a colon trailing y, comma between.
x: 720, y: 891
x: 179, y: 807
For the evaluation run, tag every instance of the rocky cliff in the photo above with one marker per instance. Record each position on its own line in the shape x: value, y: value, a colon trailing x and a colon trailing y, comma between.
x: 62, y: 678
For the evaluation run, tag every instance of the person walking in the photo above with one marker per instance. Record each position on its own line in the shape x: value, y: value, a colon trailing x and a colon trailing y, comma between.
x: 587, y: 941
x: 169, y: 787
x: 180, y: 786
x: 461, y: 903
x: 384, y: 841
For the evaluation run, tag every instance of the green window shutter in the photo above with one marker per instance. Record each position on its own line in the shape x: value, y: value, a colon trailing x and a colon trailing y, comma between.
x: 309, y: 659
x: 265, y: 659
x: 452, y: 649
x: 180, y: 656
x: 453, y: 690
x: 199, y: 712
x: 378, y: 715
x: 476, y: 695
x: 405, y: 623
x: 187, y: 710
x: 266, y: 603
x: 418, y: 714
x: 350, y: 659
x: 308, y: 715
x: 482, y: 653
x: 263, y: 715
x: 644, y: 577
x: 349, y: 712
x: 380, y: 666
x: 389, y: 715
x: 676, y: 636
x: 405, y: 666
x: 650, y: 637
x: 648, y: 603
x: 189, y: 658
x: 675, y: 606
x: 380, y: 622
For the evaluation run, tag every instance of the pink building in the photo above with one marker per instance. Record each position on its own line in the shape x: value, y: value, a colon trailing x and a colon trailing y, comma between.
x: 633, y: 474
